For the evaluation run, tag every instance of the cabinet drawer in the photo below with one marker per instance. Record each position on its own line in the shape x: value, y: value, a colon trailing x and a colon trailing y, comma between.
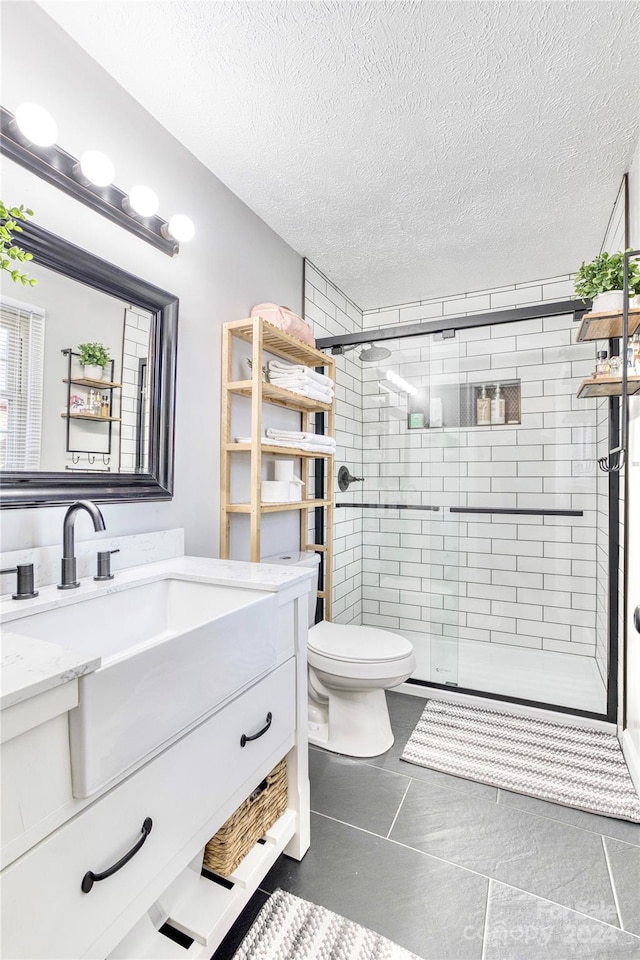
x: 185, y: 791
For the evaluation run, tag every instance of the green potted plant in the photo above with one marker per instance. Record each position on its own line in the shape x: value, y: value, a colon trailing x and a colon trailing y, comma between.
x: 93, y: 357
x: 10, y: 252
x: 602, y: 281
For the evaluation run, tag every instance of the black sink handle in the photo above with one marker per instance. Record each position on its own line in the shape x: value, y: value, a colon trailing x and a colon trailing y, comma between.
x: 90, y: 877
x: 244, y: 739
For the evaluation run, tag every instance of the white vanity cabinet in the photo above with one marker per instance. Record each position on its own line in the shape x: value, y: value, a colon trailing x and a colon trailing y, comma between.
x: 187, y: 791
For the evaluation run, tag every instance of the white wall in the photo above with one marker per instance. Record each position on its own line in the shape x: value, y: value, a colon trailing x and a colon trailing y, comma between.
x: 234, y: 261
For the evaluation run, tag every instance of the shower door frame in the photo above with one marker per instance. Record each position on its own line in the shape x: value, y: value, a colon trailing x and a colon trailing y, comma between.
x: 447, y: 326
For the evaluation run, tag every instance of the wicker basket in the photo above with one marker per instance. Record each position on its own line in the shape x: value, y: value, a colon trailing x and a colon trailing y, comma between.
x: 249, y: 823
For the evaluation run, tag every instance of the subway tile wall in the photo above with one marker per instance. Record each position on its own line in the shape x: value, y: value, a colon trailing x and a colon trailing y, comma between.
x: 480, y: 301
x: 332, y: 313
x: 137, y: 326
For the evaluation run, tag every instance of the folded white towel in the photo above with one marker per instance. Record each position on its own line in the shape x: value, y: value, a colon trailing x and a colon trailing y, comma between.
x: 301, y: 383
x: 307, y: 391
x: 278, y: 369
x: 318, y: 448
x: 301, y: 436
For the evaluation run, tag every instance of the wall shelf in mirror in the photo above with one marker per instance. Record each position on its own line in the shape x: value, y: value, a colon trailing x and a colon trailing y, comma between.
x: 68, y: 276
x: 90, y: 416
x: 97, y: 384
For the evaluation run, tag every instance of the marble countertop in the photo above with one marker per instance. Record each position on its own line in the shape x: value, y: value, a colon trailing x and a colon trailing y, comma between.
x: 31, y: 666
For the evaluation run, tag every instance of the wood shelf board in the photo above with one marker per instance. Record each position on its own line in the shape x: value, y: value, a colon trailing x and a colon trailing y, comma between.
x: 280, y: 451
x: 607, y: 387
x: 279, y: 396
x: 281, y: 344
x: 277, y: 507
x: 99, y: 384
x: 606, y: 326
x: 89, y: 416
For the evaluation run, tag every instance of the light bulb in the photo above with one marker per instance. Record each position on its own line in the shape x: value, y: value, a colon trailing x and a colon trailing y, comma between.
x: 97, y: 168
x: 36, y: 124
x: 144, y: 201
x: 181, y: 228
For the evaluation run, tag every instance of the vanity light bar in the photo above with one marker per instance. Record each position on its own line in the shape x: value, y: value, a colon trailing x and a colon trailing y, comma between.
x: 59, y: 168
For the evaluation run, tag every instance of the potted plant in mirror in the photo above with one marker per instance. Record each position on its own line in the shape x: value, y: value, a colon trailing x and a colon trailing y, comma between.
x: 10, y: 252
x: 602, y: 281
x: 93, y: 358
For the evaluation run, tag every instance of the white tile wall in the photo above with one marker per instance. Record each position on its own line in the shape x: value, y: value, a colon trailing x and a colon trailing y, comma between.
x: 331, y: 314
x: 137, y: 328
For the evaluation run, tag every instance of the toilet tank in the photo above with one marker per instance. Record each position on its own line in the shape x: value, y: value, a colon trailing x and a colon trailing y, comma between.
x: 301, y: 559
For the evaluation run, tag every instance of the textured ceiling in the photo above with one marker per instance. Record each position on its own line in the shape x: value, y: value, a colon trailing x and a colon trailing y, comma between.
x: 409, y: 149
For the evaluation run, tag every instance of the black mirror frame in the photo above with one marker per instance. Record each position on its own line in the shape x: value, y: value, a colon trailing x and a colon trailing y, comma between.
x: 40, y: 489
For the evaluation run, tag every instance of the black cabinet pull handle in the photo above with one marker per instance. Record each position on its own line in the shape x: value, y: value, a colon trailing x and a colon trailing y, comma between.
x: 90, y: 877
x: 244, y: 739
x: 636, y: 618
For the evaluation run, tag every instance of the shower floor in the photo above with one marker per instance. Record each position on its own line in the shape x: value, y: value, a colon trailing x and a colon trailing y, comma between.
x: 558, y: 679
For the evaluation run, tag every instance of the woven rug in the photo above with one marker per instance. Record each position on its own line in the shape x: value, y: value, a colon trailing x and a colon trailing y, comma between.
x: 574, y: 766
x: 288, y: 928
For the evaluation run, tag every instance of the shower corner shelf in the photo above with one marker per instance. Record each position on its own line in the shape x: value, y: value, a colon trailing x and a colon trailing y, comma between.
x: 607, y: 387
x: 265, y: 338
x: 606, y: 326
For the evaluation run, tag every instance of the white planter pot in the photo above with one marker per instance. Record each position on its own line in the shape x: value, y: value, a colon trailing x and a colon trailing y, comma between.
x: 611, y: 301
x: 635, y: 302
x: 92, y: 371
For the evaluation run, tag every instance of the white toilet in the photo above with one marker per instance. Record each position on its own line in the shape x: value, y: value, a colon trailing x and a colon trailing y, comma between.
x: 350, y: 667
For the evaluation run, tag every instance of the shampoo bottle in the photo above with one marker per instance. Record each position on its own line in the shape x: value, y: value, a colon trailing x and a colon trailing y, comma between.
x: 483, y: 409
x: 497, y: 407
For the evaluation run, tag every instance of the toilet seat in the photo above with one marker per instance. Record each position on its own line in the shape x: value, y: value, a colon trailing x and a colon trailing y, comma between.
x: 349, y: 652
x: 348, y: 643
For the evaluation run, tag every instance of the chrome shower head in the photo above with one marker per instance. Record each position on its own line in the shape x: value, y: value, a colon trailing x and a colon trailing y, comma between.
x: 373, y: 354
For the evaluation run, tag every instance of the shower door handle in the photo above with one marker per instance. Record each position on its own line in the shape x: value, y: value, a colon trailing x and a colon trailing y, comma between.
x: 636, y: 618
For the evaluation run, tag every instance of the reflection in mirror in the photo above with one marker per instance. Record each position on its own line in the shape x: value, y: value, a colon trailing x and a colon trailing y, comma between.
x: 68, y: 431
x: 56, y: 415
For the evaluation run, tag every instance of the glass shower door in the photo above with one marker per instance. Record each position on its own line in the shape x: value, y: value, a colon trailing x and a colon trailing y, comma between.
x: 411, y: 466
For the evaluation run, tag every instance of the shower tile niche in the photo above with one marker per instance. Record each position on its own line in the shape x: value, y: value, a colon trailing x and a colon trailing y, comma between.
x: 456, y: 405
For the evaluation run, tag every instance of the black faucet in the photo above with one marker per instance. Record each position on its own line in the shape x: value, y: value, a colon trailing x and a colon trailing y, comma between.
x: 68, y: 578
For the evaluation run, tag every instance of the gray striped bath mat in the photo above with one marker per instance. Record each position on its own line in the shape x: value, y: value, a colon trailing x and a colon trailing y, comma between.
x: 288, y: 928
x: 575, y: 766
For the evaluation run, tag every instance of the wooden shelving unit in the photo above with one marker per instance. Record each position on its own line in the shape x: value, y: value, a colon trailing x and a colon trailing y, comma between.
x: 265, y: 338
x: 606, y: 326
x: 607, y: 387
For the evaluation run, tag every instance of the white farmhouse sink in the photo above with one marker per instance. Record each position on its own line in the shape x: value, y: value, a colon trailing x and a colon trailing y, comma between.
x: 172, y: 650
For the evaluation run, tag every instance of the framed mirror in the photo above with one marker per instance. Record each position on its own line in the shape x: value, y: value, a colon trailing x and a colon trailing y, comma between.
x: 69, y: 431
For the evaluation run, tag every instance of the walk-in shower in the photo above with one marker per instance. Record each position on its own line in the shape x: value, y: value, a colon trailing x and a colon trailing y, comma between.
x: 482, y: 528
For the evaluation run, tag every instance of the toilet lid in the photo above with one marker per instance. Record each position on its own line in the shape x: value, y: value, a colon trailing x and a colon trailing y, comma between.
x: 350, y: 643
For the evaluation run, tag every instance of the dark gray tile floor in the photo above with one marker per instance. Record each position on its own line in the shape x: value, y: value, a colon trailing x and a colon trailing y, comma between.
x: 455, y: 870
